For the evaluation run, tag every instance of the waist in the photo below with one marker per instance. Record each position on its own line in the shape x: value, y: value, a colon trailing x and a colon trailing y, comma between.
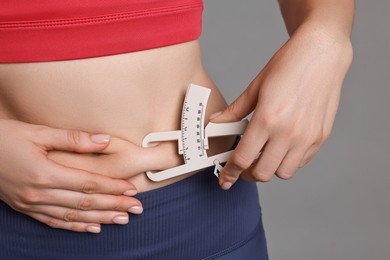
x: 126, y: 96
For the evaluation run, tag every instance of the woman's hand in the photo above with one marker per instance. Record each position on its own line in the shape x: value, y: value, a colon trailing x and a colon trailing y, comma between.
x: 58, y: 196
x: 294, y: 99
x: 121, y: 159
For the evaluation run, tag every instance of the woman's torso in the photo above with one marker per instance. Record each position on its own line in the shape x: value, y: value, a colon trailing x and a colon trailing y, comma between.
x: 126, y: 95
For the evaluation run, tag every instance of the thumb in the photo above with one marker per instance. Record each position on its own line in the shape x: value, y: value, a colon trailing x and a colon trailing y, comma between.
x: 71, y: 140
x: 240, y: 108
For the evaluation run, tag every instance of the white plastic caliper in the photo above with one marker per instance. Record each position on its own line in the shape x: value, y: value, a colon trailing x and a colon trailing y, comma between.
x: 193, y: 137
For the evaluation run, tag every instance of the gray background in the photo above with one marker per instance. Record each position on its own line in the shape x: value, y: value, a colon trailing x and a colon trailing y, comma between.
x: 337, y: 206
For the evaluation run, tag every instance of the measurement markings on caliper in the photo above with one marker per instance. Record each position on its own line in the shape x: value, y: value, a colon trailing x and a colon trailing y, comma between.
x: 193, y: 136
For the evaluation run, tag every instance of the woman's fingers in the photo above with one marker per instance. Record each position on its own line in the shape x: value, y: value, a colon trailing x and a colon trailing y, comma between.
x: 69, y: 140
x: 309, y: 154
x: 252, y: 141
x: 129, y: 159
x: 73, y: 199
x: 122, y: 159
x: 81, y: 216
x: 243, y: 156
x: 82, y: 201
x: 62, y: 224
x: 269, y: 161
x: 240, y: 108
x: 290, y: 163
x: 62, y: 197
x: 282, y: 147
x: 61, y: 177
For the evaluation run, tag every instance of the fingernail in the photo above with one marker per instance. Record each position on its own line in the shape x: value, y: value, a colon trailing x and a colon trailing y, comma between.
x: 215, y: 115
x: 130, y: 193
x: 226, y: 185
x: 100, y: 138
x: 136, y: 210
x: 93, y: 229
x: 121, y: 220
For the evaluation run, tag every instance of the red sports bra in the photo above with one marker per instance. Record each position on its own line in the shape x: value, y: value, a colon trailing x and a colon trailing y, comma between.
x: 47, y: 30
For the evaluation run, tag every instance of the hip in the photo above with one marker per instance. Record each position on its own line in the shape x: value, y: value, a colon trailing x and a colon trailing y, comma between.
x: 190, y: 219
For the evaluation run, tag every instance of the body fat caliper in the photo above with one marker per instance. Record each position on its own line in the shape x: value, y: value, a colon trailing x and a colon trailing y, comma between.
x: 193, y: 137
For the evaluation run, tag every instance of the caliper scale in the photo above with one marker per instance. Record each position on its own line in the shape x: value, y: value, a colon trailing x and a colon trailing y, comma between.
x: 193, y: 137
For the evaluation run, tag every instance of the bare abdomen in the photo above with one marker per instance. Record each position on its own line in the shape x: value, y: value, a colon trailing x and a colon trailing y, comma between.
x: 126, y: 96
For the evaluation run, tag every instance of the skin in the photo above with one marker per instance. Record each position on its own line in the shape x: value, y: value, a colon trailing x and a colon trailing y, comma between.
x: 54, y: 194
x: 55, y: 172
x: 51, y: 168
x: 294, y: 99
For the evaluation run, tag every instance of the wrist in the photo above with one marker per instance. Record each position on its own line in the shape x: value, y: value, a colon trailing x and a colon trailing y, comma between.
x: 324, y: 38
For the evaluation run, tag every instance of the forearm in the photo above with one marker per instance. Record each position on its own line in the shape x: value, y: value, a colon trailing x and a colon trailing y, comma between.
x: 331, y: 17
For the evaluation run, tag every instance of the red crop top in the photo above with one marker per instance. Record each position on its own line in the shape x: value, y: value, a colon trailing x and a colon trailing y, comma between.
x: 47, y: 30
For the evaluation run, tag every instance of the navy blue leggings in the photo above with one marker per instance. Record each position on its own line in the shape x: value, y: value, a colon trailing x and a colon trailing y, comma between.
x: 190, y: 219
x: 253, y: 249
